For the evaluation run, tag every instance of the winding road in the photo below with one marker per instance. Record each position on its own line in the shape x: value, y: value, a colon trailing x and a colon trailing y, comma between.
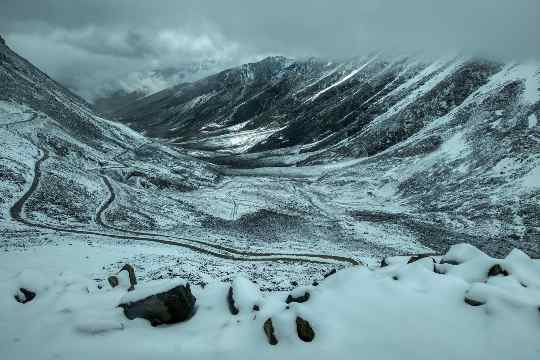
x: 215, y: 250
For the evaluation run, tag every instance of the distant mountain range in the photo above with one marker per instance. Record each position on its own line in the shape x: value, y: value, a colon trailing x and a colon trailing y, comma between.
x: 117, y: 93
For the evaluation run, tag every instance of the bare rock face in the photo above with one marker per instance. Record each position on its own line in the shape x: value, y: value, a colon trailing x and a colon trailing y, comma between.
x: 25, y: 295
x: 304, y: 330
x: 269, y: 331
x: 170, y: 307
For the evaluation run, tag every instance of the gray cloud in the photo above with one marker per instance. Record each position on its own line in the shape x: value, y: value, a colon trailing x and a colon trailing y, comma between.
x: 84, y: 42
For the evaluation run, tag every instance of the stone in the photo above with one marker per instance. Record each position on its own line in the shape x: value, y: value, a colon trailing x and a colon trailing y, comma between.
x: 169, y: 307
x: 25, y: 296
x: 473, y: 302
x: 268, y: 328
x: 131, y: 273
x: 113, y: 281
x: 230, y: 301
x: 384, y: 263
x: 304, y: 330
x: 298, y: 299
x: 496, y: 270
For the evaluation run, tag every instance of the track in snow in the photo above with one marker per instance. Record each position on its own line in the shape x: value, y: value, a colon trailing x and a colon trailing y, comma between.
x: 16, y: 212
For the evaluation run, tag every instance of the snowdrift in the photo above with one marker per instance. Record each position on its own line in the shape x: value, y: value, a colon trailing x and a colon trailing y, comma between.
x: 462, y: 305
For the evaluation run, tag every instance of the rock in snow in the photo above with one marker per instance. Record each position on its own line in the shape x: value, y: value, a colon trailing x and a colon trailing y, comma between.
x: 166, y: 307
x: 23, y: 296
x: 304, y: 330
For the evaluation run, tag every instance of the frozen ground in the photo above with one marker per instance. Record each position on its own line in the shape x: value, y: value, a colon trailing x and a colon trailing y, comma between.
x: 454, y: 307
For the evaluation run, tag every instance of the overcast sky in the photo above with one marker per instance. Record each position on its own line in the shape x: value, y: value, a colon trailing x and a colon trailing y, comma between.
x: 85, y: 42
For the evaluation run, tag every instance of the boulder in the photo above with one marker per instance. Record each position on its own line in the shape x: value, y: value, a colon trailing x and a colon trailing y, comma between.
x: 24, y: 295
x: 304, y: 330
x: 169, y: 307
x: 269, y: 331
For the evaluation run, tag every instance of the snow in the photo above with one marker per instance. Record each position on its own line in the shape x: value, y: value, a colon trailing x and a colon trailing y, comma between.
x: 402, y: 311
x: 246, y: 294
x: 342, y: 80
x: 532, y: 120
x: 532, y: 179
x: 157, y: 286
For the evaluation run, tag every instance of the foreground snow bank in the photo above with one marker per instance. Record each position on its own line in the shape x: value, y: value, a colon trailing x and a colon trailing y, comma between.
x: 415, y: 310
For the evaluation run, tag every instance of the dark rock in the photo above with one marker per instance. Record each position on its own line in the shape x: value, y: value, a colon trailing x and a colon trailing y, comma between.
x: 113, y: 281
x: 230, y: 301
x: 131, y: 273
x: 27, y: 296
x: 496, y: 270
x: 384, y: 263
x: 2, y: 41
x: 294, y: 283
x: 170, y: 307
x: 330, y: 273
x: 299, y: 299
x: 304, y: 330
x: 473, y: 302
x: 256, y: 307
x: 395, y: 277
x: 315, y: 283
x: 269, y: 331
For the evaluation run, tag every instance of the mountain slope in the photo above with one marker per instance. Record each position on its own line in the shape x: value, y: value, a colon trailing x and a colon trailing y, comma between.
x: 445, y: 149
x: 68, y: 175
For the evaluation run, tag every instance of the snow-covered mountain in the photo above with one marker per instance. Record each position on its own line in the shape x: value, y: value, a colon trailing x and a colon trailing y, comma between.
x: 454, y: 141
x: 307, y: 174
x: 114, y: 94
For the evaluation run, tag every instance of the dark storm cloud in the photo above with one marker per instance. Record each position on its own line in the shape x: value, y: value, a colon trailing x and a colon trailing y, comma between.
x: 91, y: 39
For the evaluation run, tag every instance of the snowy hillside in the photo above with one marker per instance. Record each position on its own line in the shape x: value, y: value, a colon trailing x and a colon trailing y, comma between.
x: 463, y: 305
x: 287, y: 209
x: 442, y: 150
